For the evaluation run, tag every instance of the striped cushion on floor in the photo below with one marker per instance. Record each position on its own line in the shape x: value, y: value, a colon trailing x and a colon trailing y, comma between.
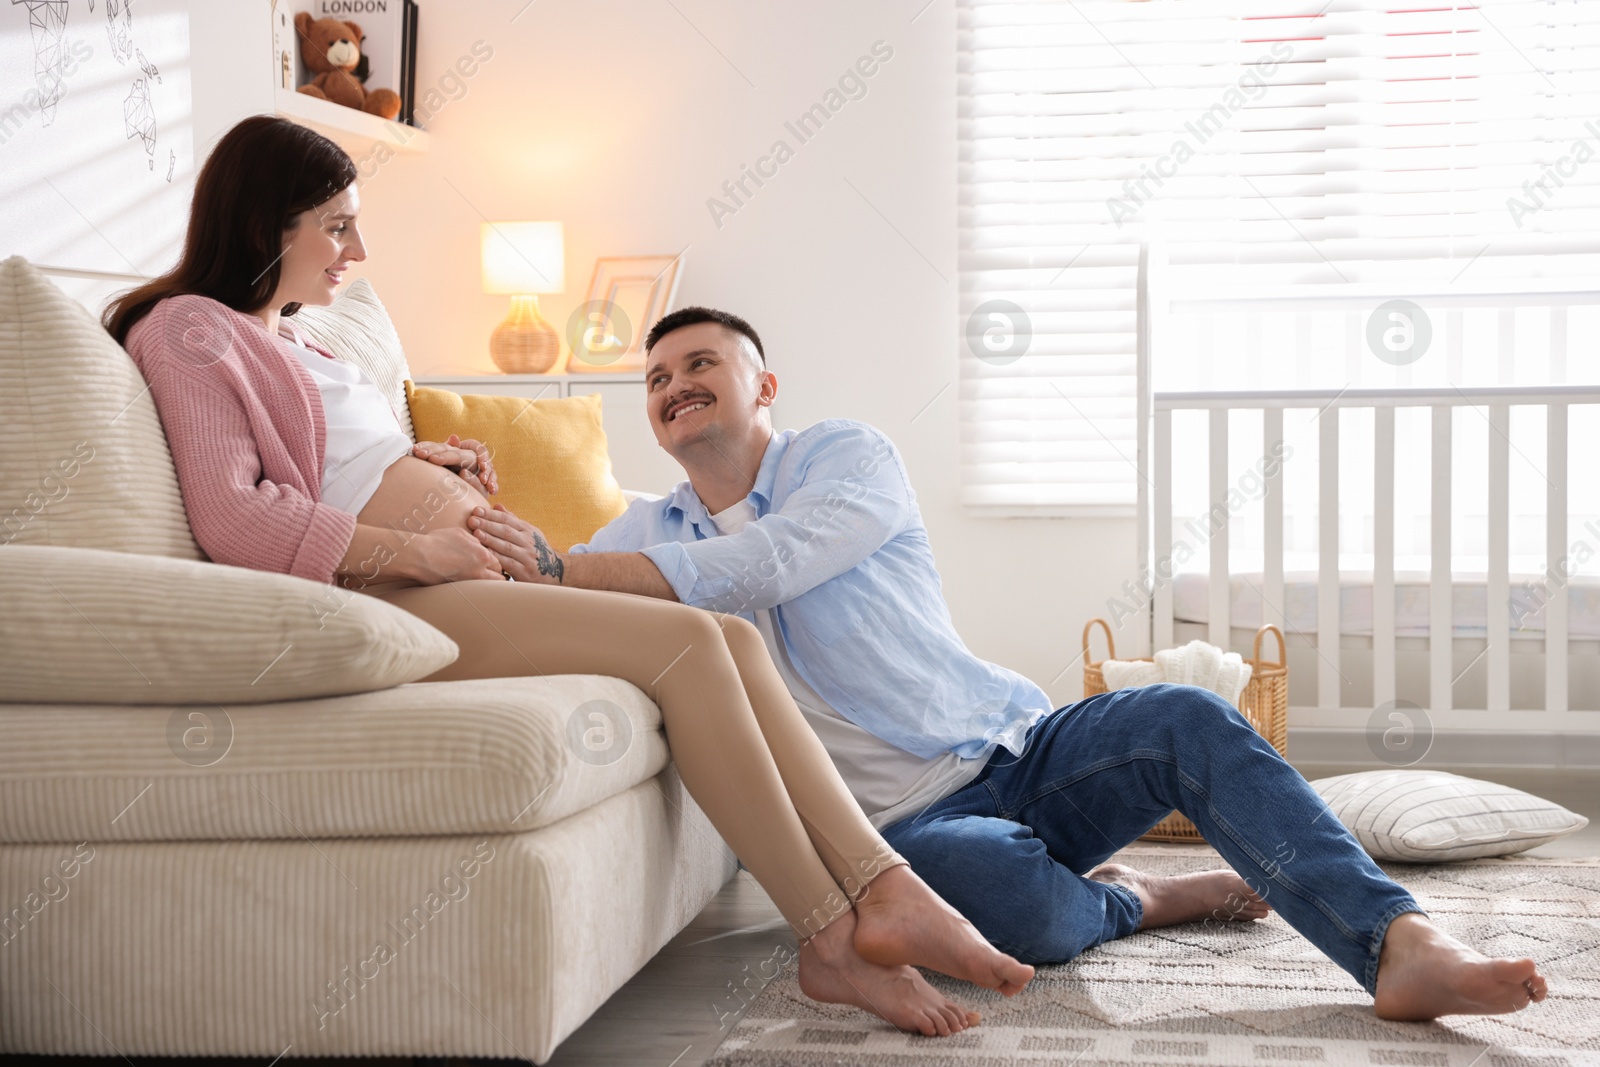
x: 1432, y: 816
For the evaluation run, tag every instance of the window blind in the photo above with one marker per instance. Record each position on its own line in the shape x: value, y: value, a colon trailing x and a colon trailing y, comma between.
x: 1267, y: 144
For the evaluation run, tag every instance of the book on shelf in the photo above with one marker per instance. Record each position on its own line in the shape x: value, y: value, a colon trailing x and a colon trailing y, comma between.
x: 388, y: 45
x: 408, y: 98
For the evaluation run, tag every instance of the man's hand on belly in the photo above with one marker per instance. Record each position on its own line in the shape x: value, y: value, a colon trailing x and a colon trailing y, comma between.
x: 527, y: 556
x: 521, y: 547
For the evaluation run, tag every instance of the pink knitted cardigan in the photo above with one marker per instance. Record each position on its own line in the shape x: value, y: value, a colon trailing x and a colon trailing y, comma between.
x: 244, y: 421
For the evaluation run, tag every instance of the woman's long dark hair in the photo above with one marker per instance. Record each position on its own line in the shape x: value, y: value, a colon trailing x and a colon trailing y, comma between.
x: 262, y: 173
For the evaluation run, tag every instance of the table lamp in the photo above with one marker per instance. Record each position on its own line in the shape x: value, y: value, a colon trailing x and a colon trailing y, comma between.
x: 523, y: 258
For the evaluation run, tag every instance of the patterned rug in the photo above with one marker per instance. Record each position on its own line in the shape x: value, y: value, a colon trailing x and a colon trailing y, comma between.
x: 1248, y: 993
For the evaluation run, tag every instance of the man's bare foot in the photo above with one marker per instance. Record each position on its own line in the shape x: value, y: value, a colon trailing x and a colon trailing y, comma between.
x: 1424, y: 973
x: 1185, y: 898
x: 833, y: 972
x: 901, y: 920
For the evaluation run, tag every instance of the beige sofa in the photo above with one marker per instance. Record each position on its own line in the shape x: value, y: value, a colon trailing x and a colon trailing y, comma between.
x: 328, y: 858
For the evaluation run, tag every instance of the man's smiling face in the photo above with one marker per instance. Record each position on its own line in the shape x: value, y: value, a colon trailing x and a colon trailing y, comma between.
x: 706, y: 384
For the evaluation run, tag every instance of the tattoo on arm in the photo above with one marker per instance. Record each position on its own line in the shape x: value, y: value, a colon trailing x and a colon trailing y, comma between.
x: 549, y: 563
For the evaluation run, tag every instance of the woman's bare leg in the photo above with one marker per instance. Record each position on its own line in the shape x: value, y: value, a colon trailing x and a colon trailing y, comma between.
x: 900, y: 920
x: 678, y: 656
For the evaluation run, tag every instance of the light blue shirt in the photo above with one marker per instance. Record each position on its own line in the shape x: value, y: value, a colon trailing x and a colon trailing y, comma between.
x: 838, y: 549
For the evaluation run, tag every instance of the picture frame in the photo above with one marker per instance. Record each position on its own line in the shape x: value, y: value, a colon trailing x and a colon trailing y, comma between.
x: 285, y: 46
x: 627, y: 294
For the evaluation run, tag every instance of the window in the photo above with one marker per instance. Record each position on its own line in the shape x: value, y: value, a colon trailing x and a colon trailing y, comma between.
x: 1339, y: 144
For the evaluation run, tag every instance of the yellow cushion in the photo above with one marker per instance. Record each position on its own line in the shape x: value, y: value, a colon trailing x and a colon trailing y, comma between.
x: 550, y: 455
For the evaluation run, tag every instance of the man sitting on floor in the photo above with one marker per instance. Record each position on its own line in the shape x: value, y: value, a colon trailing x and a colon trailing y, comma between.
x: 1007, y: 807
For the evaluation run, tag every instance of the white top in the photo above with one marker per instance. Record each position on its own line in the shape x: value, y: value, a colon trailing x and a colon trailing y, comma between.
x: 889, y: 783
x: 364, y: 436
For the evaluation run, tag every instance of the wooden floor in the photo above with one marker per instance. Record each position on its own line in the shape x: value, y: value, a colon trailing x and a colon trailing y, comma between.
x: 676, y: 1010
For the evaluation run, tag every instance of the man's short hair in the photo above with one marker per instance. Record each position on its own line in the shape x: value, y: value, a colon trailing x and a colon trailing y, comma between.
x: 692, y: 316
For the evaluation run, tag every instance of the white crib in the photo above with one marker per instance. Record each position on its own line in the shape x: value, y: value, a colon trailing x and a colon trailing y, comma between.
x: 1496, y: 655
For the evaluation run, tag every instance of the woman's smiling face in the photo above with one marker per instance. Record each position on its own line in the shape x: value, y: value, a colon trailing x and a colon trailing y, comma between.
x: 317, y: 248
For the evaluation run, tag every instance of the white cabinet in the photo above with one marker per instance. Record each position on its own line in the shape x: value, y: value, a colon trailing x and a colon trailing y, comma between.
x: 639, y: 463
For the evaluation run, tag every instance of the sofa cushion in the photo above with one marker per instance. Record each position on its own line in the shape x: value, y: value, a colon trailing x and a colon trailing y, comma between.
x: 356, y: 328
x: 83, y: 460
x: 549, y: 455
x: 485, y: 755
x: 86, y: 626
x: 497, y: 945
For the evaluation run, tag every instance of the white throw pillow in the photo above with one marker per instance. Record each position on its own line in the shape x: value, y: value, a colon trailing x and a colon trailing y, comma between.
x: 356, y: 328
x: 1432, y: 816
x: 83, y: 460
x: 93, y: 627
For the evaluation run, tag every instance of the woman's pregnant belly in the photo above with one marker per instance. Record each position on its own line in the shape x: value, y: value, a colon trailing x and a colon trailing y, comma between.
x: 415, y: 496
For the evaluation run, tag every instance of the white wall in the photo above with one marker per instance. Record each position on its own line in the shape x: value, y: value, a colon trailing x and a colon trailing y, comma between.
x: 620, y: 118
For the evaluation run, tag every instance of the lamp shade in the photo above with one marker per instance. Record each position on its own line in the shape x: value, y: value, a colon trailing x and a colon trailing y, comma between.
x: 523, y: 257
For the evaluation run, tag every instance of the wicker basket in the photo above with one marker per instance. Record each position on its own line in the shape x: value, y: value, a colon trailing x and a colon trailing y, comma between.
x: 1265, y: 702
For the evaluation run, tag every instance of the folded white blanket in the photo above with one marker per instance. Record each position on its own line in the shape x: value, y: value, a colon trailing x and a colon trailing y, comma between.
x: 1130, y: 673
x: 1197, y: 663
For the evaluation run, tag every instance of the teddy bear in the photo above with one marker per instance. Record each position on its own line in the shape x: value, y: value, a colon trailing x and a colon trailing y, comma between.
x: 332, y: 50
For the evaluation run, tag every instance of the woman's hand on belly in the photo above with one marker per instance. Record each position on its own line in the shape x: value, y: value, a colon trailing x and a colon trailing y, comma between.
x: 468, y: 458
x: 422, y: 509
x: 450, y: 555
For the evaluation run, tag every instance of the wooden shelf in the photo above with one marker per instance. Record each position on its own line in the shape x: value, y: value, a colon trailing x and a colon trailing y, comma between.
x: 630, y: 377
x: 356, y: 132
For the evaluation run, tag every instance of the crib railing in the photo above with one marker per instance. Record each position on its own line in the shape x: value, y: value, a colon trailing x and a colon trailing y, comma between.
x: 1442, y: 404
x: 1197, y: 326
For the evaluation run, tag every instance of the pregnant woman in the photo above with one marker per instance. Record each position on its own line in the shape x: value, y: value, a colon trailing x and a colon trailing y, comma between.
x: 292, y: 461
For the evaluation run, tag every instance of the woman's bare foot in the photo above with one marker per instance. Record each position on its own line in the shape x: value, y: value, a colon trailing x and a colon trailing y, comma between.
x: 1424, y: 973
x: 1185, y: 898
x: 833, y: 972
x: 901, y: 920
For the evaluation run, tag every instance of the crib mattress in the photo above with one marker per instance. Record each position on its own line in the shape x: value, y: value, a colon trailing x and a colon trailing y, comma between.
x: 1469, y: 596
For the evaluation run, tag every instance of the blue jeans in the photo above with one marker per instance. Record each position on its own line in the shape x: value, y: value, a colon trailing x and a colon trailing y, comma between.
x: 1009, y: 850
